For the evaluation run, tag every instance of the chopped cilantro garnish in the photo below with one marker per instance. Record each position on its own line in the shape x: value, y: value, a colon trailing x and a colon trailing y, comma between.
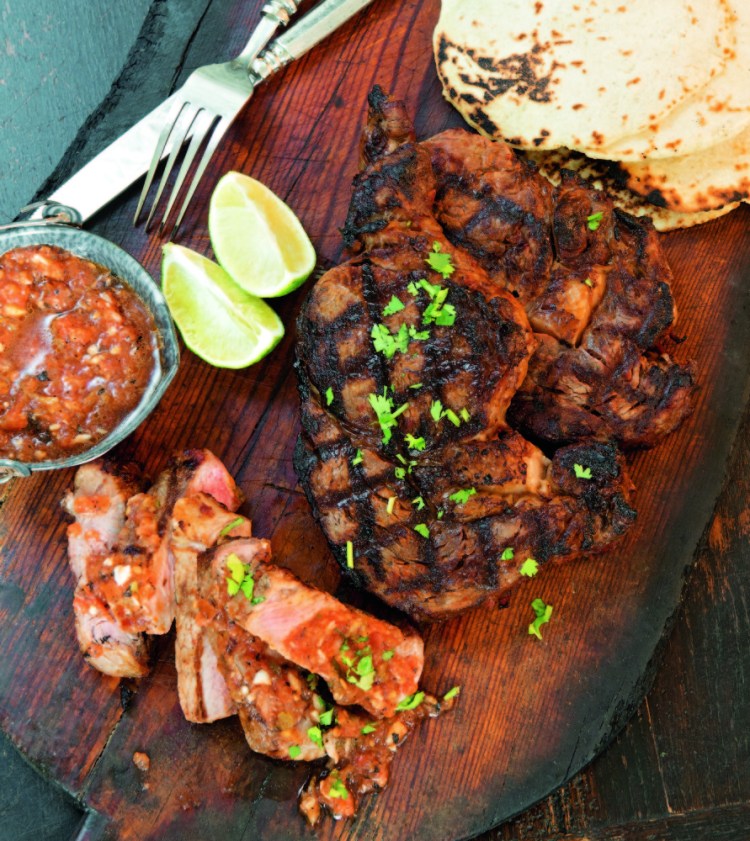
x: 326, y: 718
x: 388, y: 343
x: 315, y: 736
x: 383, y: 407
x: 416, y: 385
x: 588, y: 282
x: 440, y: 513
x: 349, y: 554
x: 394, y: 305
x: 421, y: 528
x: 401, y: 458
x: 229, y: 526
x: 414, y: 443
x: 451, y: 693
x: 387, y: 655
x: 440, y: 261
x: 294, y: 751
x: 465, y: 416
x: 463, y: 495
x: 507, y: 554
x: 368, y: 728
x: 436, y: 410
x: 419, y: 502
x: 452, y: 417
x: 391, y: 503
x: 399, y: 472
x: 529, y: 568
x: 411, y: 702
x: 418, y: 335
x: 431, y: 289
x: 594, y: 220
x: 437, y: 311
x: 241, y: 578
x: 338, y: 790
x: 357, y: 458
x: 542, y: 612
x: 312, y: 682
x: 329, y: 396
x: 581, y: 471
x: 413, y: 289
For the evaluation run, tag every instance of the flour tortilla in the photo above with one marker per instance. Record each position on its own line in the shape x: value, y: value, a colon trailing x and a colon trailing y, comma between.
x: 611, y: 179
x: 713, y: 115
x: 577, y: 73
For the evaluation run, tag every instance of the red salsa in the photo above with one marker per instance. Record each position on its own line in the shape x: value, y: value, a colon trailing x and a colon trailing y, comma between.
x: 77, y: 350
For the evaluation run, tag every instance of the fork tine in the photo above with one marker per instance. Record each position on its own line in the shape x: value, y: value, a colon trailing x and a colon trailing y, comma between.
x: 219, y: 131
x: 200, y: 132
x: 158, y: 152
x: 178, y: 137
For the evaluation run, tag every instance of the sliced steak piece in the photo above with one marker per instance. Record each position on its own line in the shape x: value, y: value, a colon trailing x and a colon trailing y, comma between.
x: 276, y: 703
x: 98, y: 504
x: 105, y: 645
x: 363, y: 660
x: 198, y: 523
x: 137, y: 580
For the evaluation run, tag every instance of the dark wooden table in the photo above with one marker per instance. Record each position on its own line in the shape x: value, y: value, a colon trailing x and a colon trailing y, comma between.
x: 681, y: 767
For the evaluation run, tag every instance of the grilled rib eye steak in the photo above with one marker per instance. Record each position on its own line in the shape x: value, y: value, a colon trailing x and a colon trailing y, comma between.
x: 406, y: 372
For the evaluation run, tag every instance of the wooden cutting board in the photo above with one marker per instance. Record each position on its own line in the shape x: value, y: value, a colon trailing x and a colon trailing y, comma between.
x: 531, y: 713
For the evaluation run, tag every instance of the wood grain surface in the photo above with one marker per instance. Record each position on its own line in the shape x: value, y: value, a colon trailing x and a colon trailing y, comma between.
x: 531, y: 714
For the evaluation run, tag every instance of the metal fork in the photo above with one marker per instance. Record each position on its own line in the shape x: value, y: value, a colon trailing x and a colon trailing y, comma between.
x: 212, y: 97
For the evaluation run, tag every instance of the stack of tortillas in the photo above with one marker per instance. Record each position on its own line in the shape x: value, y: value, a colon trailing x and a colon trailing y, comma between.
x: 660, y: 87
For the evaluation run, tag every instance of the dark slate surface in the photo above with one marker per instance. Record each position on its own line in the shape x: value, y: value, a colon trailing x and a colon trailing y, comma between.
x: 57, y: 62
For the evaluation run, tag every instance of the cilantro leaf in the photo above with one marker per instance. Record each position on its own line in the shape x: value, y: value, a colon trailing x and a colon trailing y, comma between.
x: 543, y: 612
x: 315, y: 735
x: 463, y: 495
x: 507, y: 554
x: 410, y: 702
x: 588, y: 282
x: 387, y: 655
x: 357, y: 458
x: 581, y: 471
x: 399, y: 472
x: 338, y: 790
x: 440, y: 261
x: 383, y: 407
x: 416, y: 385
x: 329, y: 396
x: 414, y: 443
x: 594, y: 220
x: 421, y: 528
x: 529, y: 568
x: 229, y: 526
x: 436, y: 410
x: 419, y: 502
x: 388, y: 343
x: 349, y: 554
x: 451, y: 693
x: 368, y: 728
x: 326, y: 718
x: 294, y: 751
x: 393, y: 306
x: 418, y: 335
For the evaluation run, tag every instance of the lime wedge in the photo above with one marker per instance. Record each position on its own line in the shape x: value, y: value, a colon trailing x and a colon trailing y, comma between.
x: 257, y: 239
x: 220, y: 322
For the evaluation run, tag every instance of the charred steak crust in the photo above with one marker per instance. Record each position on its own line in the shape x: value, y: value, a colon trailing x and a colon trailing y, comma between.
x: 561, y: 304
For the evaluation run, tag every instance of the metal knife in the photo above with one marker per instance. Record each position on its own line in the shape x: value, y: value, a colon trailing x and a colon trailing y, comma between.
x: 128, y: 157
